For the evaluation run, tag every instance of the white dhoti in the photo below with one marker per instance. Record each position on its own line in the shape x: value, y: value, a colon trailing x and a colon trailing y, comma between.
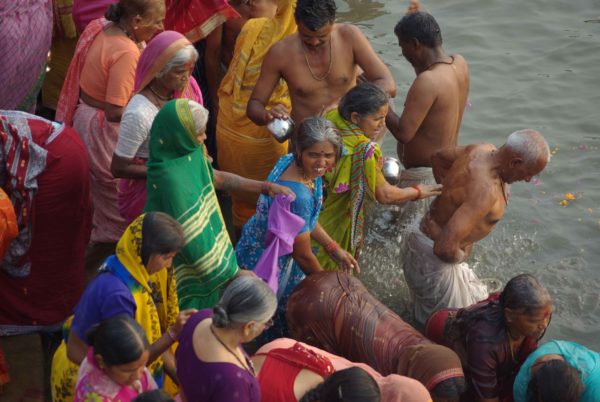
x: 435, y: 284
x: 411, y: 209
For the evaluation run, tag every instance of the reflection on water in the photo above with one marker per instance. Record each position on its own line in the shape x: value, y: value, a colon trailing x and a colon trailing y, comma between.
x: 533, y: 64
x: 356, y: 11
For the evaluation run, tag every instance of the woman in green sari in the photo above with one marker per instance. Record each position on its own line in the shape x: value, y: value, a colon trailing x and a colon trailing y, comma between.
x: 357, y: 182
x: 181, y: 182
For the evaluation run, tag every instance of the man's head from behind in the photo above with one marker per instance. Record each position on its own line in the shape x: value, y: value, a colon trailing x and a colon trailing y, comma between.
x: 417, y: 30
x: 315, y: 20
x: 524, y: 155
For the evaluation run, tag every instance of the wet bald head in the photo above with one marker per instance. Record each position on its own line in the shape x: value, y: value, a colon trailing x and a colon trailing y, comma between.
x: 530, y: 145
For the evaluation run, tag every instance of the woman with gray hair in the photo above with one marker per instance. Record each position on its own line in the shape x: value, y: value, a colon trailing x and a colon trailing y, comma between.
x: 211, y: 363
x: 181, y: 182
x: 163, y: 73
x: 318, y: 148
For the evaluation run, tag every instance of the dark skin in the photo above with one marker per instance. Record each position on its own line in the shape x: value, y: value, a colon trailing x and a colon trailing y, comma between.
x: 287, y: 59
x: 474, y: 195
x: 434, y: 105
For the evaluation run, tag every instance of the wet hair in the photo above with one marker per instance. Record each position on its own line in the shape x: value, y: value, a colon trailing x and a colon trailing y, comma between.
x: 314, y: 130
x: 245, y: 299
x: 365, y: 99
x: 119, y: 340
x: 420, y: 26
x: 450, y: 388
x: 157, y: 395
x: 555, y: 381
x: 161, y: 234
x: 350, y: 385
x: 199, y: 115
x: 523, y: 293
x: 530, y: 145
x: 186, y: 54
x: 315, y: 14
x: 129, y: 8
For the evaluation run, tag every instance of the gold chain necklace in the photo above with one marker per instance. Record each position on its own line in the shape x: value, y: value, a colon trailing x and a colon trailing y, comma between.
x: 249, y: 369
x: 316, y: 77
x: 159, y: 96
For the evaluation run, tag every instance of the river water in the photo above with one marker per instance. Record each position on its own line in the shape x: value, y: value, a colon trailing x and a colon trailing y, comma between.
x: 533, y: 64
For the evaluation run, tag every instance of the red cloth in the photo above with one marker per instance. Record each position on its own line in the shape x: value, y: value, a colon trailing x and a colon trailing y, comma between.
x: 197, y: 18
x: 4, y: 377
x: 280, y: 368
x: 60, y: 225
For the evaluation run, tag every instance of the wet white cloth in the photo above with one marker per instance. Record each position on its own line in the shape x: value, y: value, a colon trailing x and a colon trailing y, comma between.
x: 414, y: 177
x: 435, y: 284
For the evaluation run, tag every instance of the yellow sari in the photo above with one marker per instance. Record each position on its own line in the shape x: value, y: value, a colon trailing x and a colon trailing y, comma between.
x: 156, y: 308
x: 243, y: 147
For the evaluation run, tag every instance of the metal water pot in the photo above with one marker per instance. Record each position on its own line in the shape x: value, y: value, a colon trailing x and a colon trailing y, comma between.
x: 281, y: 129
x: 391, y: 169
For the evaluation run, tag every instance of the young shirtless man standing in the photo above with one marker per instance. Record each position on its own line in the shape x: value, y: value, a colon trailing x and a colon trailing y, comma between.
x: 434, y: 105
x: 319, y: 64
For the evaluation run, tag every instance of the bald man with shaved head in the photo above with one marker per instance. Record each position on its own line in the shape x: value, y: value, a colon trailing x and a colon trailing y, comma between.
x: 476, y: 180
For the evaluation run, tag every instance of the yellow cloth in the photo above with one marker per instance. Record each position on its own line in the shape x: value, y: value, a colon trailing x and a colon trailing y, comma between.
x: 243, y: 147
x: 156, y: 309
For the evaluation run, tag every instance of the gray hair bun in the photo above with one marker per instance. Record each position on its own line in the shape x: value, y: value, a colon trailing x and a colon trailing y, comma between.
x: 220, y: 317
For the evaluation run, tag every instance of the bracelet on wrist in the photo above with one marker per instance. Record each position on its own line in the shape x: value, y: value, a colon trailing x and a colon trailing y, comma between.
x: 331, y: 246
x: 418, y: 192
x: 265, y: 188
x: 171, y: 334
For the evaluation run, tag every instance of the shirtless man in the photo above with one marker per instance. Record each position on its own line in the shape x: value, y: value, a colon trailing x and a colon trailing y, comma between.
x: 435, y: 102
x: 475, y: 194
x: 319, y: 64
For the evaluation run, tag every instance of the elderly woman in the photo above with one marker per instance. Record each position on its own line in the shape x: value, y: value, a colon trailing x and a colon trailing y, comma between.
x: 134, y: 282
x: 163, y: 73
x: 211, y: 363
x: 495, y: 336
x: 98, y: 86
x: 357, y: 182
x: 317, y: 151
x: 181, y: 182
x: 235, y: 130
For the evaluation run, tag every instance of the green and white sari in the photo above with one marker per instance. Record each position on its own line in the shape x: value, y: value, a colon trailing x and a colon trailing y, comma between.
x: 180, y: 183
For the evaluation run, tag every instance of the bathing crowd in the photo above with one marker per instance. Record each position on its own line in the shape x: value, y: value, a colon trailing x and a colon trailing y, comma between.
x: 163, y: 120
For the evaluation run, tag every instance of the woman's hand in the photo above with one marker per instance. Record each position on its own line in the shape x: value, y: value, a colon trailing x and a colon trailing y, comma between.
x: 184, y: 315
x: 276, y: 189
x: 345, y: 260
x: 429, y: 190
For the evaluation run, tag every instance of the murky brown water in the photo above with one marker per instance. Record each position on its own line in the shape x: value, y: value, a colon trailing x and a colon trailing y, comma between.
x: 533, y: 64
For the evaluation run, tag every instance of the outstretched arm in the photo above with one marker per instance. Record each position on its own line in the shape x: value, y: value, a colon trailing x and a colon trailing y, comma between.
x: 270, y: 74
x: 374, y: 70
x: 449, y: 246
x: 226, y: 181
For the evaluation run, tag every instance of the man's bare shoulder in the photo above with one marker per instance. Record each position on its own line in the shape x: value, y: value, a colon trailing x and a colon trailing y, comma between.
x: 284, y: 46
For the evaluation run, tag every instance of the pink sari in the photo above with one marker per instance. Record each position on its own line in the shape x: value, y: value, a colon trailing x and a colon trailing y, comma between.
x: 160, y: 50
x: 94, y: 385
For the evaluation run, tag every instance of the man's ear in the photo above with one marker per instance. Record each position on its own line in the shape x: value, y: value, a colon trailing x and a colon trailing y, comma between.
x: 516, y: 162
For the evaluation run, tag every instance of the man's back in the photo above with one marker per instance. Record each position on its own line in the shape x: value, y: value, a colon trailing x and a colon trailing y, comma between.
x: 472, y: 201
x: 447, y: 87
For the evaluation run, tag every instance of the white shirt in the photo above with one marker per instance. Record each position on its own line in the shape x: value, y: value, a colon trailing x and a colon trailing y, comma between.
x: 134, y: 131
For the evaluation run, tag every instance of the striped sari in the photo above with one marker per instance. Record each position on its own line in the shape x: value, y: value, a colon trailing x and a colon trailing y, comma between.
x: 180, y: 183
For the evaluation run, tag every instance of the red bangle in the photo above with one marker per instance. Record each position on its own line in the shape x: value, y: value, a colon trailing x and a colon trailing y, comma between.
x: 418, y: 192
x: 265, y: 188
x: 331, y: 246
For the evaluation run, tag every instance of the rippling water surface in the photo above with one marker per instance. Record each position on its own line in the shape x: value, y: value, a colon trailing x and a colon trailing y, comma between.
x: 533, y: 64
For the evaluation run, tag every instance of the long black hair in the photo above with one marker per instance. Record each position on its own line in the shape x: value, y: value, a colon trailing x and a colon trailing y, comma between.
x: 523, y: 293
x: 119, y: 340
x: 350, y: 385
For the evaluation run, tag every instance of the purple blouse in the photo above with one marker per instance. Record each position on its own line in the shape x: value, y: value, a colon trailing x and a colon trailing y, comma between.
x: 211, y: 381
